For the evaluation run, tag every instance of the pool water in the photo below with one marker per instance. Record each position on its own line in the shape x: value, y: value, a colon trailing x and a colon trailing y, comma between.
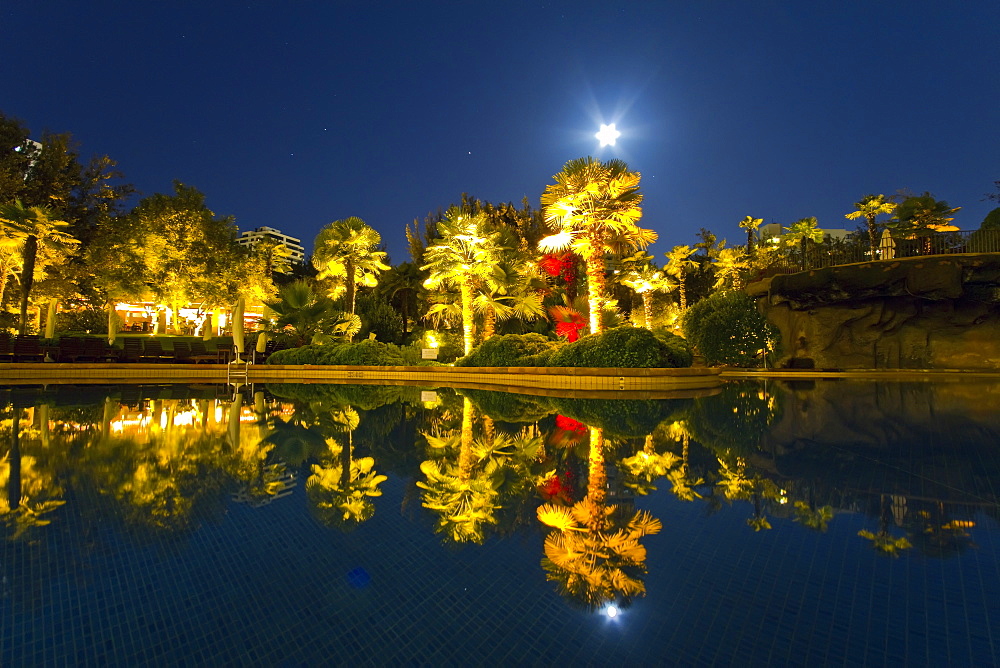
x: 768, y: 524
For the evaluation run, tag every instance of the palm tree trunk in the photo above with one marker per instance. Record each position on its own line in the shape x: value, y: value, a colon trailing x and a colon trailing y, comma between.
x: 871, y: 237
x: 490, y: 323
x: 467, y: 316
x: 647, y: 308
x: 27, y: 279
x: 750, y: 243
x: 682, y: 289
x: 14, y: 460
x: 349, y: 296
x: 595, y: 288
x: 597, y: 478
x: 345, y: 462
x: 465, y: 451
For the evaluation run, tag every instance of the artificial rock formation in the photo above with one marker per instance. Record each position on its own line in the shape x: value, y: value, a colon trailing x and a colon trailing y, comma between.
x: 934, y: 312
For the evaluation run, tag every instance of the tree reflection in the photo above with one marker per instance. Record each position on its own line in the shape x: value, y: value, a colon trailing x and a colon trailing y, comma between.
x: 464, y: 497
x: 341, y: 487
x: 883, y: 541
x: 594, y: 554
x: 30, y: 489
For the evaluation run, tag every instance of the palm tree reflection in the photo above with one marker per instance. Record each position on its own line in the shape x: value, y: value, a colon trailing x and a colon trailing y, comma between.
x: 594, y: 554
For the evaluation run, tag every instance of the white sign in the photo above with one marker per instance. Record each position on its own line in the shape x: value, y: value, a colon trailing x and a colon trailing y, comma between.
x: 428, y: 353
x: 429, y: 397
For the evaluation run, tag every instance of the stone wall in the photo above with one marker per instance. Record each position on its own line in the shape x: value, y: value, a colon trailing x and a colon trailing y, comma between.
x: 938, y: 312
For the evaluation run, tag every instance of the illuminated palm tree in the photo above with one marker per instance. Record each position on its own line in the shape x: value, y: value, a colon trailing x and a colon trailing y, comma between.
x: 511, y: 292
x: 347, y: 251
x: 35, y: 227
x: 802, y: 232
x: 463, y: 257
x: 594, y: 208
x: 642, y: 276
x: 730, y: 267
x: 29, y: 492
x: 870, y: 208
x: 679, y: 263
x: 682, y: 484
x: 812, y: 517
x: 884, y: 542
x: 595, y: 554
x: 751, y: 224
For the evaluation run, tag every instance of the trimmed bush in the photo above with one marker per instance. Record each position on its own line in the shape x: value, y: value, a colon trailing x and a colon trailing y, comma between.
x: 679, y: 349
x: 361, y: 353
x: 626, y: 347
x: 507, y: 350
x: 727, y: 328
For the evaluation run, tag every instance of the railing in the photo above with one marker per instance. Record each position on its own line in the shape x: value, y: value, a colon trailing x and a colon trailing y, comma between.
x: 826, y: 254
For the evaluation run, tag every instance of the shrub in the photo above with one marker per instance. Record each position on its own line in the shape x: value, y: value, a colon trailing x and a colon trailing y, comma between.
x: 379, y: 317
x: 361, y: 353
x: 627, y: 347
x: 678, y: 349
x: 727, y: 328
x: 507, y: 350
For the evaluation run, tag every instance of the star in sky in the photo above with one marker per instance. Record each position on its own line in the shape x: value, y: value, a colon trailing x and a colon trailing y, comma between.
x: 608, y: 134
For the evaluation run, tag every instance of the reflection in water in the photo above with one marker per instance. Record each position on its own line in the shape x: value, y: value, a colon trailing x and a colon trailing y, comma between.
x: 163, y: 460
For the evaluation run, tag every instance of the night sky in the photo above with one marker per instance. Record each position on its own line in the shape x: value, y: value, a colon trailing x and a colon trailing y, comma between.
x: 296, y: 114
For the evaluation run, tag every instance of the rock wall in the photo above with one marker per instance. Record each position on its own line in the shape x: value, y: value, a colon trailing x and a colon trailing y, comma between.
x: 938, y: 312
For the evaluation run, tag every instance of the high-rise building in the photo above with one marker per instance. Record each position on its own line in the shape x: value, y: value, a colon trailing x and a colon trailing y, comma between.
x: 251, y: 237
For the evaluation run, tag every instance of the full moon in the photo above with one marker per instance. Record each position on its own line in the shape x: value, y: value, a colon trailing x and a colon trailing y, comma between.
x: 608, y: 134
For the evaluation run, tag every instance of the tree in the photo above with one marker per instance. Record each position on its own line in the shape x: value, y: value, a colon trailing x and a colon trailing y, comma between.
x: 750, y: 224
x: 922, y: 215
x: 347, y: 251
x: 595, y: 554
x: 870, y: 208
x: 302, y: 313
x: 401, y: 285
x: 727, y: 328
x: 36, y: 228
x: 641, y: 275
x: 679, y: 263
x: 730, y: 268
x: 465, y: 255
x: 594, y: 208
x: 802, y: 232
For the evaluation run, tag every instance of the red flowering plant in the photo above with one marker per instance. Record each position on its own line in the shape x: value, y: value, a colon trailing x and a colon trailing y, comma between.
x: 568, y: 321
x: 568, y: 433
x: 558, y: 487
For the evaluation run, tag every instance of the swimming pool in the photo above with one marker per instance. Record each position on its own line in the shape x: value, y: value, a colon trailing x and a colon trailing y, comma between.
x: 772, y: 523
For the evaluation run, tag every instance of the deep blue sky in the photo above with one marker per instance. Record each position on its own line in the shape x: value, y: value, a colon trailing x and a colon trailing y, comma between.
x: 296, y: 114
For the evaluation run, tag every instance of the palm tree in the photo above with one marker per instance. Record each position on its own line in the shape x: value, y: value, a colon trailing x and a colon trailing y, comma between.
x: 36, y: 227
x: 464, y: 256
x: 679, y: 263
x: 402, y: 285
x: 871, y: 207
x: 595, y: 554
x: 299, y: 309
x: 803, y: 231
x: 512, y: 291
x: 274, y: 255
x: 750, y: 224
x: 347, y: 250
x: 646, y: 466
x: 594, y: 208
x: 640, y: 274
x: 730, y: 268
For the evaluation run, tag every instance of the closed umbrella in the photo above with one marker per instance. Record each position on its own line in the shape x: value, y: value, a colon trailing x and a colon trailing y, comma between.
x: 238, y: 325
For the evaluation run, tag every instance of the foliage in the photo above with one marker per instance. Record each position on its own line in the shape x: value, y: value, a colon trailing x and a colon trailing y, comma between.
x: 622, y: 418
x: 84, y: 320
x: 678, y: 349
x: 626, y: 347
x: 922, y: 215
x: 378, y: 317
x: 870, y: 208
x: 727, y: 328
x: 300, y: 314
x: 359, y: 353
x: 594, y: 209
x: 509, y: 407
x: 507, y: 350
x: 735, y: 420
x: 347, y: 252
x: 991, y: 221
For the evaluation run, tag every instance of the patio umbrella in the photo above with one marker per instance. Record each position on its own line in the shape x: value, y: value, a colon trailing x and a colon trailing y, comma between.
x: 238, y: 325
x: 887, y: 246
x: 113, y: 321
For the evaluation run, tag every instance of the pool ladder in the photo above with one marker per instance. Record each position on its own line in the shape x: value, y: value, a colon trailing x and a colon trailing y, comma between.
x: 238, y: 369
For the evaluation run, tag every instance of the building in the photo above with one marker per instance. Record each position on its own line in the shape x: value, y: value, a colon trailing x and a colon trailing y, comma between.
x: 251, y: 237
